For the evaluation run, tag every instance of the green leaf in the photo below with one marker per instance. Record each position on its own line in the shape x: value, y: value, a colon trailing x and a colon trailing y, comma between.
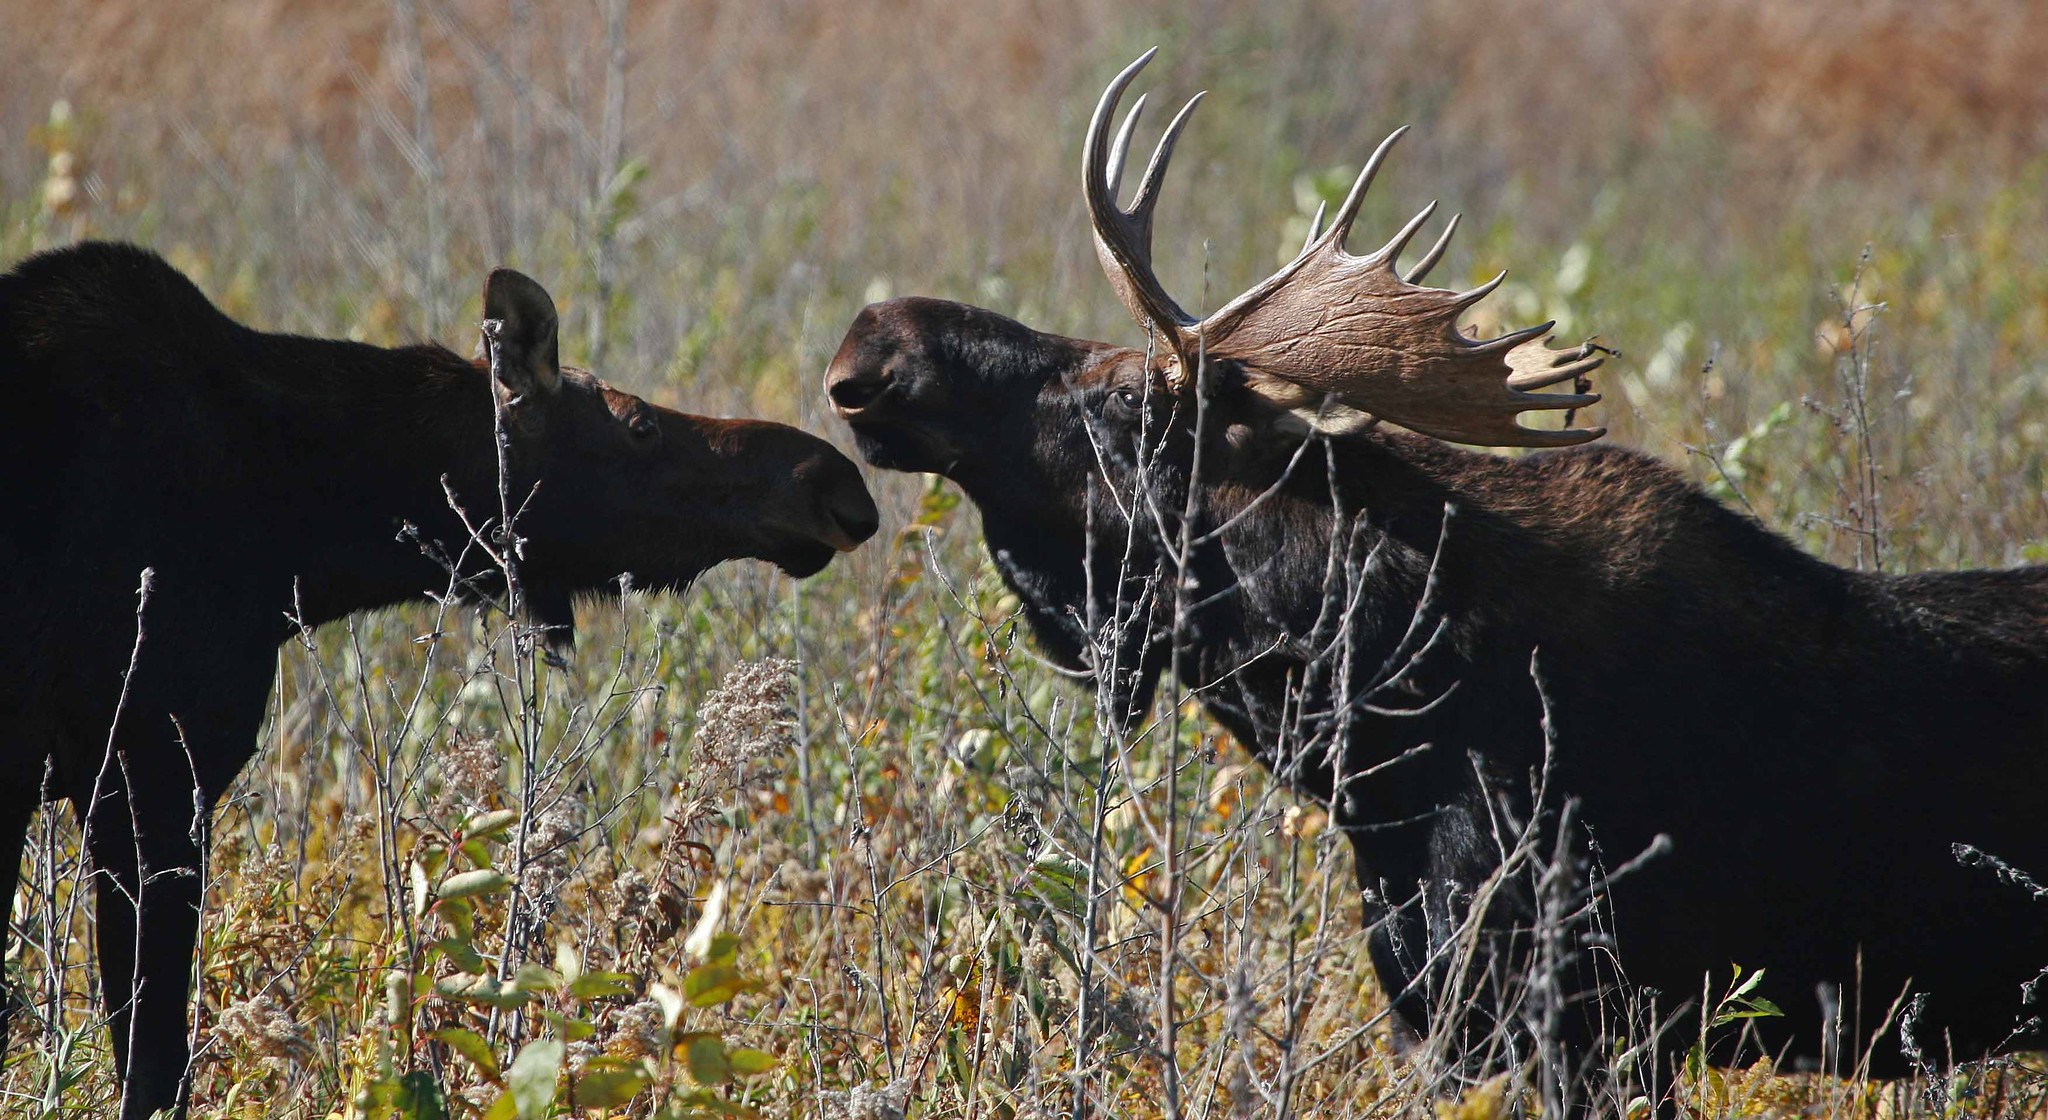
x: 471, y: 1045
x: 1748, y: 985
x: 485, y: 825
x: 705, y: 1055
x: 504, y: 1108
x: 573, y: 1030
x: 532, y: 1077
x: 748, y: 1062
x: 460, y: 914
x: 462, y: 954
x: 422, y: 890
x: 610, y: 1083
x: 709, y: 985
x: 470, y: 884
x: 536, y: 978
x: 724, y: 949
x: 418, y: 1097
x: 1061, y: 882
x: 598, y: 985
x: 483, y: 989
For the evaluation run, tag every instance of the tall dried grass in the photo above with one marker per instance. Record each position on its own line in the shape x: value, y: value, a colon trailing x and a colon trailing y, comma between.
x: 1697, y: 183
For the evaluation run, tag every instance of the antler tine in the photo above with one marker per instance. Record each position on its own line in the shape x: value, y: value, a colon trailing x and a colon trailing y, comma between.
x: 1123, y: 235
x: 1519, y: 436
x: 1148, y: 187
x: 1340, y: 226
x: 1544, y: 402
x: 1120, y: 148
x: 1315, y: 227
x: 1400, y: 240
x: 1097, y: 160
x: 1436, y: 252
x: 1513, y: 339
x: 1471, y: 296
x: 1545, y: 367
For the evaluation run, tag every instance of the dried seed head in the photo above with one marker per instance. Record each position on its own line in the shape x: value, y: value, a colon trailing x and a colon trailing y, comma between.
x: 748, y: 717
x: 261, y: 1027
x: 551, y: 849
x: 639, y: 1031
x: 866, y: 1102
x: 470, y: 772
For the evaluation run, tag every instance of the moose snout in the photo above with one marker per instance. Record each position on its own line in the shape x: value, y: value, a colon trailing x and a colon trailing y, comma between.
x: 841, y: 513
x: 850, y: 514
x: 853, y: 388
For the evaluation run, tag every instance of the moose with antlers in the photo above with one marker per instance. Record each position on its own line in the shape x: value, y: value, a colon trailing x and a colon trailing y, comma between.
x: 258, y: 482
x: 1745, y: 756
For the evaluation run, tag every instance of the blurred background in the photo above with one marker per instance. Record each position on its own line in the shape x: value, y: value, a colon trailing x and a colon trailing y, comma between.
x: 1818, y: 234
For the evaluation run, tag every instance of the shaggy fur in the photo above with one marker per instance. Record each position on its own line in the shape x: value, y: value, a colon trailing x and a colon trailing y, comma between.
x: 1797, y: 747
x: 263, y: 477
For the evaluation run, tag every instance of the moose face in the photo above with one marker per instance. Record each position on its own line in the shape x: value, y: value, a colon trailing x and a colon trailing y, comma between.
x: 619, y: 485
x: 930, y: 385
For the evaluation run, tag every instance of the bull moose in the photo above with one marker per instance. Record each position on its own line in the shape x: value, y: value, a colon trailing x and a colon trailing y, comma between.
x: 264, y: 481
x: 1576, y: 651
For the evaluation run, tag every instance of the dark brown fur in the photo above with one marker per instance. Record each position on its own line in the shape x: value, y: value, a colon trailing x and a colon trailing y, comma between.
x: 262, y: 477
x: 1810, y: 743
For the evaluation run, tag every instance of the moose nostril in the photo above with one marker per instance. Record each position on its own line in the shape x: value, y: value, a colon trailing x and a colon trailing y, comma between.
x: 851, y: 394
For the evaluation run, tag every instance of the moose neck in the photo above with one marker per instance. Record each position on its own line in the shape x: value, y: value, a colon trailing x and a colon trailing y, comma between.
x: 393, y: 434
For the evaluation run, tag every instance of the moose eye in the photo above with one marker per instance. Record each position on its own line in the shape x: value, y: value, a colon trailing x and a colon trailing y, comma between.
x: 643, y: 426
x: 1128, y: 398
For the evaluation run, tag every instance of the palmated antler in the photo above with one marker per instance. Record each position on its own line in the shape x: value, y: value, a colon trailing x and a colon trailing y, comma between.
x: 1329, y: 327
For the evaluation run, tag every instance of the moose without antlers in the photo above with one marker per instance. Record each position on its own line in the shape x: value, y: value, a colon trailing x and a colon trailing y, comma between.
x: 1467, y: 656
x: 262, y: 479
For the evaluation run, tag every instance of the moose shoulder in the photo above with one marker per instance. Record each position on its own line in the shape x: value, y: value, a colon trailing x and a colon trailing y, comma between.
x: 1440, y: 643
x: 261, y: 478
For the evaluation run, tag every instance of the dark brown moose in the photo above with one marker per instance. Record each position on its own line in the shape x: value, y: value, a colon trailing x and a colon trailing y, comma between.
x: 1472, y: 659
x: 259, y: 478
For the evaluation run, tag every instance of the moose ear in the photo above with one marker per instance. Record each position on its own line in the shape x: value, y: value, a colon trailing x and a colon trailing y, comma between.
x: 528, y: 358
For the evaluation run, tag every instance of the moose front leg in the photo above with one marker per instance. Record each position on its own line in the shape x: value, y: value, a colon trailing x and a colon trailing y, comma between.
x: 18, y: 803
x: 147, y: 875
x: 145, y: 807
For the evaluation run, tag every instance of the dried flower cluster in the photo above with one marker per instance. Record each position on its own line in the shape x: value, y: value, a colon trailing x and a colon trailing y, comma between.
x: 550, y: 849
x: 260, y: 1027
x: 1040, y: 963
x: 866, y: 1102
x: 470, y: 766
x: 638, y: 1031
x: 751, y: 715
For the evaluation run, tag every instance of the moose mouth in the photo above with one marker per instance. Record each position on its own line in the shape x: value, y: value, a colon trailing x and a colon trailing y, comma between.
x: 896, y: 448
x: 841, y: 527
x: 802, y: 561
x: 888, y: 440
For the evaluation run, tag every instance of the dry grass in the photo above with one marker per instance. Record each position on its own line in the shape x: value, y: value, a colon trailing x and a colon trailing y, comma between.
x: 1697, y: 183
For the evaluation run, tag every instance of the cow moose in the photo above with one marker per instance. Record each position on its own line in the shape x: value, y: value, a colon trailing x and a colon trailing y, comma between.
x: 1775, y: 760
x: 256, y: 482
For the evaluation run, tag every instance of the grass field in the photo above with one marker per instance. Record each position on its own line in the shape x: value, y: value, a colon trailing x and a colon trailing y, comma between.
x: 857, y: 882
